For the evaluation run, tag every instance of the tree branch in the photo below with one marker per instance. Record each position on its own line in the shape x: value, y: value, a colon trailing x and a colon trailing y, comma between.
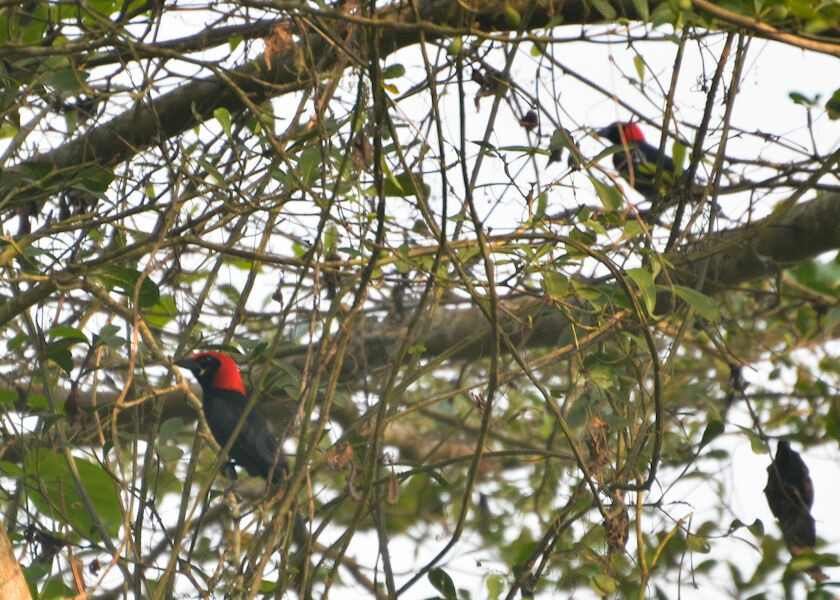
x: 148, y: 123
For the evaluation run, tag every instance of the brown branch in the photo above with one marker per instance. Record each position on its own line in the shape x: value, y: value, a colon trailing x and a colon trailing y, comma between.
x: 766, y: 247
x: 12, y: 584
x: 149, y: 122
x: 763, y: 30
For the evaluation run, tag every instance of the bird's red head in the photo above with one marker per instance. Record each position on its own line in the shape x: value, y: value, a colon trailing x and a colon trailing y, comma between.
x: 227, y: 376
x: 622, y: 133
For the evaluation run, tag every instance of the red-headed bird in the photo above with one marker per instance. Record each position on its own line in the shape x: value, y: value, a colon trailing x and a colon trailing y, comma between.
x: 223, y: 400
x: 643, y: 157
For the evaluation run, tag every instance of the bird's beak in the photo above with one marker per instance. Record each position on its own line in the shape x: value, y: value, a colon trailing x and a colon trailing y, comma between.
x: 188, y: 363
x: 602, y: 132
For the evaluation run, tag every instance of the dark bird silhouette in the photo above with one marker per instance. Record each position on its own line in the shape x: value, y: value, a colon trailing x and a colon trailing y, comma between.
x: 529, y: 120
x: 790, y: 494
x: 223, y: 400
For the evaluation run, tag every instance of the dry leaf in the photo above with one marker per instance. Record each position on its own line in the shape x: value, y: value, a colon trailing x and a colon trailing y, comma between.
x: 277, y: 42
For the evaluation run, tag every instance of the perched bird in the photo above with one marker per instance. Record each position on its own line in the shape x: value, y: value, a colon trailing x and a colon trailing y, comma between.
x: 643, y: 157
x: 529, y: 120
x: 255, y: 448
x: 223, y: 401
x: 790, y: 494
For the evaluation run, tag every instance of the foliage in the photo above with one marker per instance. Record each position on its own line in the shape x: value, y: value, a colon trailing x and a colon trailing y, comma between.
x: 476, y: 357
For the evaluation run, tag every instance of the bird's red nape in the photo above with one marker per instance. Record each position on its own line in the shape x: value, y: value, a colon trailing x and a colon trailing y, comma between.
x: 632, y: 133
x: 227, y: 377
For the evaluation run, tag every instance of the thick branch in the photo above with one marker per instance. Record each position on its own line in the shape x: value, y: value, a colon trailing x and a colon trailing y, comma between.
x: 150, y: 122
x: 734, y: 257
x: 766, y: 247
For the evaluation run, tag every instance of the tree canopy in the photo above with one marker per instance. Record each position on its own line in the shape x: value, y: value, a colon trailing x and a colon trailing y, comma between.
x: 502, y: 365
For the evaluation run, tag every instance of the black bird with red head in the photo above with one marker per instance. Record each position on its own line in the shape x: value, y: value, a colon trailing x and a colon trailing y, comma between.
x: 224, y: 401
x: 642, y: 156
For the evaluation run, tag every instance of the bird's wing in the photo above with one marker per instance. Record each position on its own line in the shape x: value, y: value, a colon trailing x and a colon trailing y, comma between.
x: 255, y: 448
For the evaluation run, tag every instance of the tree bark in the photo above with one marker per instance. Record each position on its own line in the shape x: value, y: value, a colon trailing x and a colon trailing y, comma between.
x: 12, y: 584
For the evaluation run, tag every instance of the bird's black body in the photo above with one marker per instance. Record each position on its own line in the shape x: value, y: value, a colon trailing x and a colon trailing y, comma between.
x: 643, y: 157
x: 223, y: 399
x: 790, y: 494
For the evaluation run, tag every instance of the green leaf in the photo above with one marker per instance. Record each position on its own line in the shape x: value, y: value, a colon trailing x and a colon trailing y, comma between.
x: 94, y: 179
x: 644, y: 280
x: 466, y: 254
x: 393, y: 71
x: 232, y: 292
x: 542, y: 204
x: 713, y: 429
x: 170, y: 453
x: 512, y: 16
x: 68, y: 333
x: 560, y: 138
x: 163, y: 312
x: 38, y: 402
x: 455, y: 47
x: 555, y: 285
x: 757, y: 529
x: 298, y: 249
x: 632, y: 229
x: 110, y: 330
x: 609, y: 195
x: 8, y: 130
x: 223, y: 117
x: 169, y: 428
x: 605, y: 8
x: 807, y: 560
x: 16, y: 342
x: 401, y: 186
x: 68, y: 80
x: 213, y: 171
x: 801, y: 99
x: 60, y: 355
x: 442, y: 582
x: 735, y: 526
x: 8, y: 396
x: 330, y: 239
x: 603, y: 584
x: 495, y: 586
x: 51, y: 488
x: 11, y: 469
x: 642, y: 9
x: 705, y: 306
x: 56, y: 588
x: 699, y: 544
x: 756, y: 443
x: 639, y: 63
x: 832, y: 106
x: 108, y: 336
x: 309, y: 165
x: 123, y: 280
